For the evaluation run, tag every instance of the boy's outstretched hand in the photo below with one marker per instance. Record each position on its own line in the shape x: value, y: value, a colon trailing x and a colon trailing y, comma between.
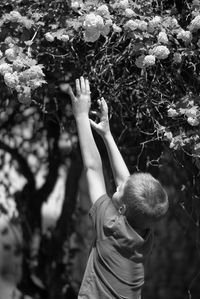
x: 82, y: 101
x: 103, y: 127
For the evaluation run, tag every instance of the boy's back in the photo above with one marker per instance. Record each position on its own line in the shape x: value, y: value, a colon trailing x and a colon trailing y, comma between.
x: 115, y: 267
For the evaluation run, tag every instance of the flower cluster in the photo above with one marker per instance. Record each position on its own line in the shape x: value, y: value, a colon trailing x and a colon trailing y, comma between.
x: 94, y: 26
x: 16, y: 17
x: 184, y: 36
x: 21, y: 73
x: 160, y: 52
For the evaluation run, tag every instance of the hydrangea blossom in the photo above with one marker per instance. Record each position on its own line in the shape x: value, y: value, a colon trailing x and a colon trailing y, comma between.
x: 64, y: 38
x: 5, y: 68
x: 123, y: 4
x: 142, y: 25
x: 116, y: 28
x: 15, y: 16
x: 195, y: 24
x: 140, y: 61
x: 184, y: 35
x: 49, y: 37
x: 11, y: 79
x: 11, y: 54
x: 131, y: 25
x: 103, y: 11
x: 155, y: 22
x: 129, y: 13
x: 162, y: 38
x: 172, y: 112
x: 177, y: 58
x: 193, y: 121
x: 18, y: 64
x: 93, y: 26
x: 161, y: 52
x: 149, y: 60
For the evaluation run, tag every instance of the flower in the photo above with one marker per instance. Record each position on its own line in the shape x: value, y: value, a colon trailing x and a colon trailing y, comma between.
x: 162, y: 38
x: 64, y: 37
x: 123, y: 4
x: 116, y: 28
x: 131, y: 25
x: 168, y: 135
x: 5, y: 68
x: 49, y: 37
x: 11, y: 79
x: 15, y: 16
x: 195, y: 24
x: 193, y: 121
x: 25, y: 96
x: 103, y: 11
x: 155, y: 22
x: 161, y: 52
x: 10, y: 54
x: 149, y: 60
x: 172, y: 112
x: 18, y: 64
x: 1, y: 54
x: 142, y: 25
x: 177, y: 58
x: 184, y: 35
x: 129, y: 13
x: 94, y: 26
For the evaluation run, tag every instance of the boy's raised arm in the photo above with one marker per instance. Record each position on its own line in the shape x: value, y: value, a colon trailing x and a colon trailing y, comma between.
x: 119, y: 168
x: 90, y: 154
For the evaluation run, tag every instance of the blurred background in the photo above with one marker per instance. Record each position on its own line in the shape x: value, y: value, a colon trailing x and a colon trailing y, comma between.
x: 45, y: 230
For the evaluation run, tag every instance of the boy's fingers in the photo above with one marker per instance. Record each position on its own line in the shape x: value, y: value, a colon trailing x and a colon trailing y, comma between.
x: 78, y: 88
x: 87, y: 86
x: 70, y: 93
x: 82, y: 84
x: 93, y: 124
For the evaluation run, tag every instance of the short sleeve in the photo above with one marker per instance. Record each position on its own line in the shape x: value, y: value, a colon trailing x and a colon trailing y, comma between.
x: 97, y: 213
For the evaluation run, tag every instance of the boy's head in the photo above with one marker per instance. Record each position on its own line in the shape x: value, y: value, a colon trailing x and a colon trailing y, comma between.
x: 142, y: 199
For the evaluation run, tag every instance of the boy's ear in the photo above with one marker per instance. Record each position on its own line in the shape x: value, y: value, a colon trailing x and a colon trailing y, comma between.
x: 122, y: 209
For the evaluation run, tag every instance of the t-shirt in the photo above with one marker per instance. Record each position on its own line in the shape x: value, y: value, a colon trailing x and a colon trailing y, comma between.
x: 115, y: 268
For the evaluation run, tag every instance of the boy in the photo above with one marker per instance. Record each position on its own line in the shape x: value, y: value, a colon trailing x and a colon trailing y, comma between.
x: 123, y: 224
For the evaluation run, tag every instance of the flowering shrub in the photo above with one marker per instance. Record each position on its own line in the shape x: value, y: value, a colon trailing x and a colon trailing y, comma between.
x: 145, y: 63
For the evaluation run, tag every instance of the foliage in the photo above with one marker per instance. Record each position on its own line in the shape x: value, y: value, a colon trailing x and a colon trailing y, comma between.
x: 142, y: 56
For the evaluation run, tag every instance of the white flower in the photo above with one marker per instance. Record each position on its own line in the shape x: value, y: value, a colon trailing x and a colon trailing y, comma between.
x: 168, y: 135
x: 177, y: 58
x: 156, y: 21
x: 24, y: 97
x: 11, y: 80
x: 172, y: 112
x: 132, y: 25
x: 193, y: 121
x: 103, y: 11
x: 5, y: 68
x: 18, y: 64
x: 195, y: 24
x: 10, y: 54
x: 161, y: 52
x: 1, y: 54
x: 149, y: 60
x: 116, y: 28
x: 64, y: 37
x: 105, y: 31
x: 162, y: 38
x: 49, y: 37
x: 192, y: 112
x: 91, y: 35
x: 123, y: 4
x: 129, y: 13
x: 94, y: 26
x: 184, y: 35
x: 15, y: 16
x: 142, y: 25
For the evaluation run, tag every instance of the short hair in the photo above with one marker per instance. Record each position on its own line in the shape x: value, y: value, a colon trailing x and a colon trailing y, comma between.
x: 145, y: 198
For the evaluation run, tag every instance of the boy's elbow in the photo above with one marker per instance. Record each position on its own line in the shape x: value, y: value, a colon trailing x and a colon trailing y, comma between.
x: 95, y: 165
